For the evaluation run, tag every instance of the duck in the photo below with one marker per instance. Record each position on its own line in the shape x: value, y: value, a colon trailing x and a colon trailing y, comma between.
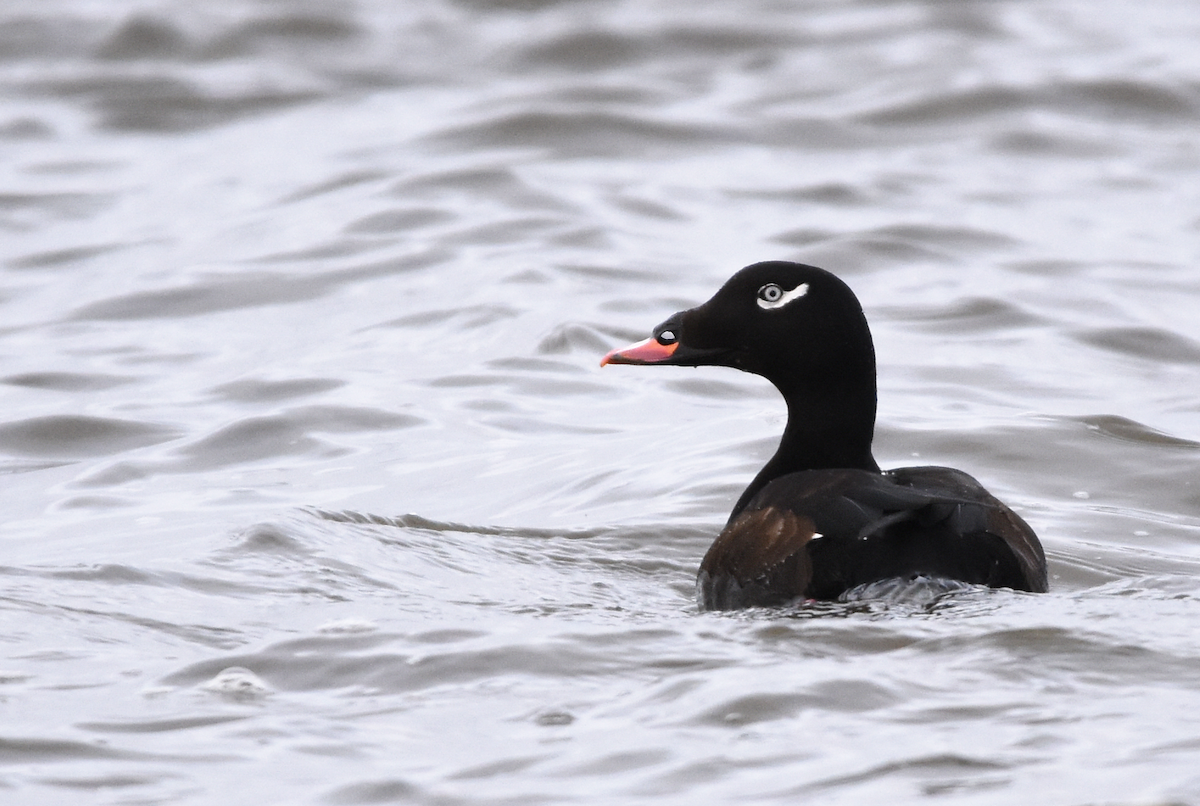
x: 821, y: 519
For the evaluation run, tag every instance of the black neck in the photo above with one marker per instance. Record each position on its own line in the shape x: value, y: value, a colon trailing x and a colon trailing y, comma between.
x: 833, y: 430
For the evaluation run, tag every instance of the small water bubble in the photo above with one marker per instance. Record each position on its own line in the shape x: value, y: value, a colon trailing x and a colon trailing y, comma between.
x: 1082, y: 495
x: 348, y: 626
x: 554, y: 718
x: 237, y: 683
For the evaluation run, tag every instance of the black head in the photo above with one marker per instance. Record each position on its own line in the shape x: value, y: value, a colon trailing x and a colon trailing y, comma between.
x: 799, y: 327
x: 790, y: 323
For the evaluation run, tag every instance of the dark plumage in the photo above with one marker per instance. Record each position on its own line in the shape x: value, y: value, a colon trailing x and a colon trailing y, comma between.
x: 820, y: 517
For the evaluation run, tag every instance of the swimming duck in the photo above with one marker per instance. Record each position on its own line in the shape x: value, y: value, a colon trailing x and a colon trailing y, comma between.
x: 821, y: 518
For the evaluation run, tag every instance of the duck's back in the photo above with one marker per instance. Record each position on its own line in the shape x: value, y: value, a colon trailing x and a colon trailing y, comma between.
x: 817, y: 533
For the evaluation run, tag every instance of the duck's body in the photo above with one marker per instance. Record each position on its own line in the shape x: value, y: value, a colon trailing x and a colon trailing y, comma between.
x: 820, y: 517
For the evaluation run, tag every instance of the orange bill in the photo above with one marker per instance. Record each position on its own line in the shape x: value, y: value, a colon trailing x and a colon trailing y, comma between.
x: 649, y: 351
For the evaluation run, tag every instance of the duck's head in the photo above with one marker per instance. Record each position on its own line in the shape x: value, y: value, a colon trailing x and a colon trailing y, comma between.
x: 798, y: 326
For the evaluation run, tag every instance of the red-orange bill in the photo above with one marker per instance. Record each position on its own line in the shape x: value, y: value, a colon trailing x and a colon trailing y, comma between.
x: 649, y: 351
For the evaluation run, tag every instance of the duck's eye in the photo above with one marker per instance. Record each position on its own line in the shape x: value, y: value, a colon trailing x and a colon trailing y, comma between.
x: 666, y: 337
x: 772, y: 297
x: 770, y: 293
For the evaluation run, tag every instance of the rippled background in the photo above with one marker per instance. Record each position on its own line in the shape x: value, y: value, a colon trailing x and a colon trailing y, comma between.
x: 314, y: 492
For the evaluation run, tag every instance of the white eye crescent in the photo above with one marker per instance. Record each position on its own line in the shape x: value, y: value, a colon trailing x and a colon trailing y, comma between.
x: 772, y: 297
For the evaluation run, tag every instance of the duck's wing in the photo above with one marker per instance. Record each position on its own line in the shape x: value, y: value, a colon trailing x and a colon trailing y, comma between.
x: 817, y: 533
x: 776, y: 549
x: 982, y: 513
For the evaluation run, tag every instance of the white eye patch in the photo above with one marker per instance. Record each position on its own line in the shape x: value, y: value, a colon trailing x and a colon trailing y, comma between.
x: 771, y: 297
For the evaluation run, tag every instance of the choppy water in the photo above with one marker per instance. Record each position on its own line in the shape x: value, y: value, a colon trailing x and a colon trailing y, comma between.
x: 314, y: 492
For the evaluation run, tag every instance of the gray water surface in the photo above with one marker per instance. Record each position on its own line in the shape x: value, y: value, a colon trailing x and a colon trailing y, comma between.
x: 314, y: 491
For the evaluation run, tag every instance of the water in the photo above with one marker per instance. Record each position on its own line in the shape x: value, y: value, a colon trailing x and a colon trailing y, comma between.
x: 314, y: 491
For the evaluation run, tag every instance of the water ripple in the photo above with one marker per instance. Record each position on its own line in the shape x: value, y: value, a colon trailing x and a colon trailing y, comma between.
x: 273, y: 273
